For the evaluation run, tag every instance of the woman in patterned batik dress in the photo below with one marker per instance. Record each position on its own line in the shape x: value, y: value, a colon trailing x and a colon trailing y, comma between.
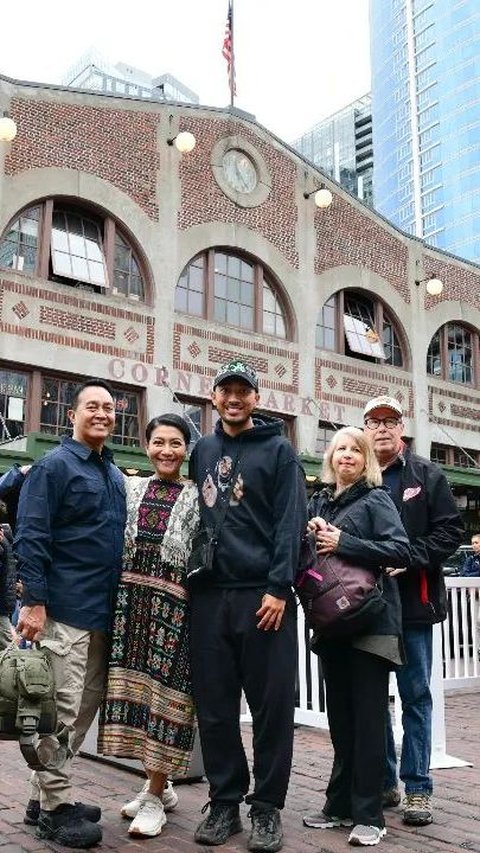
x: 148, y: 711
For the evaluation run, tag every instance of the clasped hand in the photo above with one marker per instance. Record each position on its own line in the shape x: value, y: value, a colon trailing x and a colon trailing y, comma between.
x: 326, y: 535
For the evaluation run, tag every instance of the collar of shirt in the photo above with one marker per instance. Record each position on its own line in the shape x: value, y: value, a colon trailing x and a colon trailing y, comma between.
x: 84, y: 452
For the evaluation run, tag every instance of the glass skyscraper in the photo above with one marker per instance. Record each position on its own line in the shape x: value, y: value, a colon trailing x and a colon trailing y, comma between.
x: 341, y: 146
x: 426, y: 119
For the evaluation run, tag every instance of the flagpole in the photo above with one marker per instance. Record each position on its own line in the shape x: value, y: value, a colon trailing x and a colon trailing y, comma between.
x: 232, y: 68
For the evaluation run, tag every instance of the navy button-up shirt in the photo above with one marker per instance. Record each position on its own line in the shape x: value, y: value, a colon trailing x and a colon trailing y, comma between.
x: 69, y: 536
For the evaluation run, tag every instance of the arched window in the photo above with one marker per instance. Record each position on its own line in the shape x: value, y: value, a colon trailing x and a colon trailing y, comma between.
x: 232, y: 289
x: 74, y: 245
x: 356, y: 324
x: 450, y: 355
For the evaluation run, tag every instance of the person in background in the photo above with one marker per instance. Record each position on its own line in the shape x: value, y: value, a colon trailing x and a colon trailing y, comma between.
x: 471, y: 564
x: 354, y: 518
x: 70, y: 527
x: 148, y: 712
x: 423, y: 498
x: 7, y: 582
x: 244, y: 627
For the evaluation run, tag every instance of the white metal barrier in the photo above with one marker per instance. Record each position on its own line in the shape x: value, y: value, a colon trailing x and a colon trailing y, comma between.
x: 456, y: 644
x: 461, y: 634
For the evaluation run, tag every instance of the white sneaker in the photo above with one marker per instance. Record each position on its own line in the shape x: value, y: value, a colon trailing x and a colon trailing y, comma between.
x: 150, y: 817
x: 366, y: 836
x: 130, y: 809
x: 169, y: 800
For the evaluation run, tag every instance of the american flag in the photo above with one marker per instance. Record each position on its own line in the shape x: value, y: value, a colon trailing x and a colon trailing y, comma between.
x: 227, y: 50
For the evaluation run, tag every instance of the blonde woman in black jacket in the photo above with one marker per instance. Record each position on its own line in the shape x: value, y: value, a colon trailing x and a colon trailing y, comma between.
x: 355, y: 518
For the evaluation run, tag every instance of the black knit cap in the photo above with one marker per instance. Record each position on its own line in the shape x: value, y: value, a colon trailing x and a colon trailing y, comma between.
x: 169, y: 419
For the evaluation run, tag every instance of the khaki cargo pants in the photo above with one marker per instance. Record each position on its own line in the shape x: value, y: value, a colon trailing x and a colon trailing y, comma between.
x: 79, y: 660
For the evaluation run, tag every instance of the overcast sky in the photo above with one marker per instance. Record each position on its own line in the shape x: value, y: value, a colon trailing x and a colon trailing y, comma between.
x: 296, y: 61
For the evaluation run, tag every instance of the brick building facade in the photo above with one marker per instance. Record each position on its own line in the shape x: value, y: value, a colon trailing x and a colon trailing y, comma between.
x: 122, y: 258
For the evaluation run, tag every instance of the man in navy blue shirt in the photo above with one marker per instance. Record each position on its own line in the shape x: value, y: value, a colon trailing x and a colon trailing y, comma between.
x: 69, y: 539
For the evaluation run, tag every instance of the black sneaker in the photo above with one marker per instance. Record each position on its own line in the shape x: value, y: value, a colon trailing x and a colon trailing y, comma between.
x: 91, y: 813
x: 65, y: 826
x: 267, y: 834
x: 222, y: 822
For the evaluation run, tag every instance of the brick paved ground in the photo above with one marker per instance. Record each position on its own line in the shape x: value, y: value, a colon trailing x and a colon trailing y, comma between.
x: 457, y: 800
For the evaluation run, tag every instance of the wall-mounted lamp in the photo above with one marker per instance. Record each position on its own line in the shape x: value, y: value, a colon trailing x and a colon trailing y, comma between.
x: 8, y: 128
x: 183, y: 141
x: 321, y: 196
x: 433, y: 285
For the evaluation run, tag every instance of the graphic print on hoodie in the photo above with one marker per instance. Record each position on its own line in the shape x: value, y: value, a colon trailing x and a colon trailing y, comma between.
x: 259, y: 540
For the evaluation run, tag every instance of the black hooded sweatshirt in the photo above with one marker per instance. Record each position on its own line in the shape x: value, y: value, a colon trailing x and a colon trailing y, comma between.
x: 259, y: 541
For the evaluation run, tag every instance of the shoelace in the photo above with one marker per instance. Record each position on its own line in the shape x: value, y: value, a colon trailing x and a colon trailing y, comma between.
x: 215, y: 810
x: 416, y: 800
x: 148, y: 806
x: 265, y: 821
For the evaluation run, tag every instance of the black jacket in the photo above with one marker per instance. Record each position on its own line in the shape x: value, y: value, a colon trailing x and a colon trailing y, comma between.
x: 435, y: 529
x: 259, y: 541
x: 8, y: 576
x: 372, y: 535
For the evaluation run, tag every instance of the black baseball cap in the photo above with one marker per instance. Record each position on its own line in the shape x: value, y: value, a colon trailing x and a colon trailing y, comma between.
x: 236, y: 370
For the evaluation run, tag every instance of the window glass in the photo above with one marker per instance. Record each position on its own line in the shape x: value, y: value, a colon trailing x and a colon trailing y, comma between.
x: 459, y: 344
x: 325, y: 332
x: 18, y: 246
x: 189, y: 292
x: 360, y: 332
x: 434, y: 364
x: 76, y: 239
x: 13, y: 395
x: 126, y: 273
x: 465, y: 458
x: 127, y: 429
x: 57, y: 395
x: 273, y: 319
x: 439, y: 453
x: 241, y: 295
x: 325, y: 433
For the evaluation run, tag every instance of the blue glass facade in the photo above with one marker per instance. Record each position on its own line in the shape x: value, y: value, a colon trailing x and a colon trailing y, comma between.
x: 426, y: 119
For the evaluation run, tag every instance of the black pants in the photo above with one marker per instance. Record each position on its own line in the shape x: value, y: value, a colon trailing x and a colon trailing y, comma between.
x: 230, y: 653
x: 357, y: 702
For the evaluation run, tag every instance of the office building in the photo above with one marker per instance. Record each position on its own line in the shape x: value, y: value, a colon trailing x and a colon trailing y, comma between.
x: 426, y: 119
x: 93, y: 71
x: 341, y: 146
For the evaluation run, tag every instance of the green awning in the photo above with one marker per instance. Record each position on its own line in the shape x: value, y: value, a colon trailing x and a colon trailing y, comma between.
x: 462, y: 476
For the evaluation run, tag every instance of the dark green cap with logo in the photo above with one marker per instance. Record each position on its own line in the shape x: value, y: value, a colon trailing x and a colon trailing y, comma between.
x: 236, y: 370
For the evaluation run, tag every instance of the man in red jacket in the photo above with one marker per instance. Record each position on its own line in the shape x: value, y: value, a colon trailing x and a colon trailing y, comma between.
x: 429, y: 514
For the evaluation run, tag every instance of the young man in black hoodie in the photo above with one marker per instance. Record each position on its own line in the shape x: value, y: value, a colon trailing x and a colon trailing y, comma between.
x: 244, y: 632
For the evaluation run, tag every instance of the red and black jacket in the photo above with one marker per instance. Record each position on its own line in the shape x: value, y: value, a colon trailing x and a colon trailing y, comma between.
x: 434, y: 527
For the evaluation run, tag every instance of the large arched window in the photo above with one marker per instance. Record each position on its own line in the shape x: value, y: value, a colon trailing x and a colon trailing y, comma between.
x: 356, y: 324
x: 450, y: 355
x: 72, y: 244
x: 232, y: 289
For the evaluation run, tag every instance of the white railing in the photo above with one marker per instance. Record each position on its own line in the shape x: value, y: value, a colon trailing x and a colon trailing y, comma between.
x: 461, y: 634
x: 455, y: 651
x: 456, y: 644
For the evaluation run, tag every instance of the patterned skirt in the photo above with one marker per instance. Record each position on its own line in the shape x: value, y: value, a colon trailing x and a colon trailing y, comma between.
x: 148, y: 713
